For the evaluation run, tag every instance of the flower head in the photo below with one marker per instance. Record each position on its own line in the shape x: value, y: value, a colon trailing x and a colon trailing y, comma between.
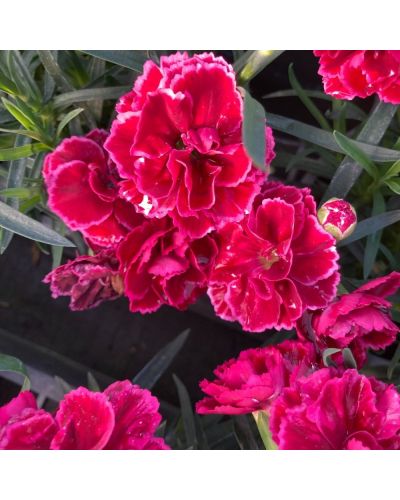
x: 360, y: 73
x: 252, y: 381
x: 123, y: 417
x: 177, y: 144
x: 23, y: 426
x: 82, y: 184
x: 88, y: 280
x: 161, y: 266
x: 336, y: 411
x: 275, y: 264
x: 358, y: 320
x: 338, y: 218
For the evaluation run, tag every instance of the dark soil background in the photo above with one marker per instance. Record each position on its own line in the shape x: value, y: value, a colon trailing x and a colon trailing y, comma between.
x: 110, y: 339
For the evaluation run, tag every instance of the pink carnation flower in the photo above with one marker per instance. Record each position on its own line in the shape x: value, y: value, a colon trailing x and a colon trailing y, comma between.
x: 160, y: 266
x: 275, y: 264
x: 23, y: 426
x: 82, y: 185
x: 360, y: 73
x: 333, y: 411
x: 88, y: 280
x: 358, y: 320
x: 123, y: 417
x: 252, y: 381
x: 177, y: 143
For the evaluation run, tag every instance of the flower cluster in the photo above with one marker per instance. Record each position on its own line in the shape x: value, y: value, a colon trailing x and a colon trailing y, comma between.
x: 123, y: 417
x: 360, y: 73
x: 172, y: 207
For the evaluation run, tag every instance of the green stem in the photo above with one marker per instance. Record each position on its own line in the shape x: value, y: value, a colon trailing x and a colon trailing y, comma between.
x: 262, y: 421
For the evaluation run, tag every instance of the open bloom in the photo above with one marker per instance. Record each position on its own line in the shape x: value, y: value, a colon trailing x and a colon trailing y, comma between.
x: 333, y: 411
x: 123, y: 417
x: 358, y: 320
x: 82, y: 184
x: 88, y: 280
x: 275, y: 264
x: 360, y: 73
x: 252, y: 381
x: 23, y: 426
x: 161, y: 266
x: 177, y: 144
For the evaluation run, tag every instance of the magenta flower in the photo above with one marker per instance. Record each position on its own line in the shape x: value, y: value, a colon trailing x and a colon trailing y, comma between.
x: 359, y: 320
x: 177, y: 144
x: 160, y: 266
x: 252, y: 381
x: 123, y: 417
x: 23, y: 426
x: 82, y: 184
x: 338, y: 218
x: 336, y: 411
x: 88, y: 280
x: 360, y: 73
x: 275, y: 264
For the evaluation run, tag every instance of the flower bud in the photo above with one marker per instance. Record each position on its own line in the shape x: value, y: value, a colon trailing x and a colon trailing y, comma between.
x: 338, y: 218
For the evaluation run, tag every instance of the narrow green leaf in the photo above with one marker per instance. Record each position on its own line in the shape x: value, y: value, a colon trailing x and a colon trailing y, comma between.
x: 20, y: 193
x: 326, y: 139
x: 64, y: 386
x: 23, y: 225
x: 253, y: 130
x: 7, y: 85
x: 18, y: 114
x: 373, y: 240
x: 157, y: 366
x: 22, y: 151
x: 132, y: 59
x: 25, y: 76
x: 187, y: 414
x: 312, y: 108
x: 371, y: 225
x: 250, y: 65
x: 11, y: 364
x: 56, y: 253
x: 392, y: 170
x: 371, y: 133
x: 84, y: 95
x: 67, y: 118
x: 15, y: 179
x: 27, y: 133
x: 394, y: 362
x: 394, y: 185
x: 356, y: 154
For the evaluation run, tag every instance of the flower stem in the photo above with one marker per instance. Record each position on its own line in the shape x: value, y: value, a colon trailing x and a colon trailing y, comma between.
x: 262, y: 421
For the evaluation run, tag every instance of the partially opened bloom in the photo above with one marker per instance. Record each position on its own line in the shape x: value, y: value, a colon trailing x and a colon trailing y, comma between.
x: 275, y: 264
x: 336, y: 411
x: 23, y: 426
x: 177, y: 144
x: 252, y: 381
x: 123, y: 417
x: 161, y: 266
x: 359, y: 320
x: 88, y: 280
x: 82, y: 184
x: 360, y: 73
x: 338, y: 217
